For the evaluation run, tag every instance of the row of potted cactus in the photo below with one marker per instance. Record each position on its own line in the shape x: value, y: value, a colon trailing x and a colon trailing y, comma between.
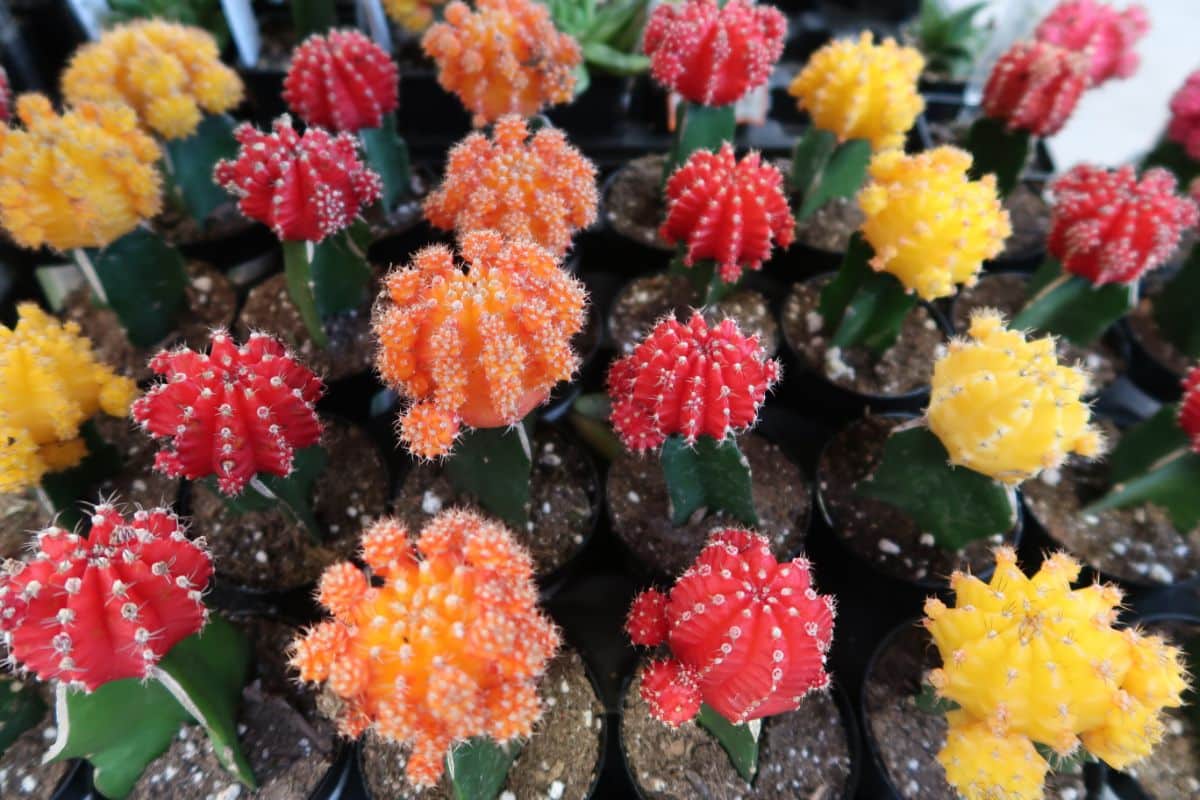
x: 163, y: 607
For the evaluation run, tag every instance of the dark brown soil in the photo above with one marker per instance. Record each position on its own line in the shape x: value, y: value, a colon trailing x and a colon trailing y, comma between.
x: 878, y: 533
x: 560, y: 760
x: 639, y: 507
x: 22, y: 773
x: 563, y: 490
x: 830, y: 227
x: 178, y: 228
x: 351, y: 349
x: 268, y: 550
x: 1138, y: 545
x: 21, y: 516
x: 1173, y: 769
x: 633, y: 205
x: 289, y: 746
x: 803, y: 755
x: 138, y: 483
x: 907, y: 738
x: 904, y: 368
x: 1145, y: 329
x: 1030, y: 218
x: 211, y: 303
x: 644, y: 301
x: 1007, y: 292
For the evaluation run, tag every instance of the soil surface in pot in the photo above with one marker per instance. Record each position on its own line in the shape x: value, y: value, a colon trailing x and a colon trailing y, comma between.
x: 268, y: 550
x: 560, y: 760
x: 210, y: 302
x: 644, y: 301
x: 802, y: 754
x: 288, y: 744
x: 1029, y: 216
x: 1138, y: 544
x: 878, y: 533
x: 830, y: 227
x: 640, y: 508
x: 907, y: 738
x: 351, y: 349
x: 21, y: 516
x: 563, y: 490
x: 634, y: 203
x: 178, y: 228
x: 1007, y: 292
x: 1145, y: 329
x: 905, y: 367
x: 22, y: 773
x: 1172, y: 770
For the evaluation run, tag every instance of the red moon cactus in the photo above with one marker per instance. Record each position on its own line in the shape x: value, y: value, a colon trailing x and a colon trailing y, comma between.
x: 342, y: 81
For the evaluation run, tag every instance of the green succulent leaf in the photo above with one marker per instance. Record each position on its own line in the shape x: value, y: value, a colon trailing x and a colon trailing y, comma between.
x: 739, y: 741
x: 479, y: 767
x: 192, y: 160
x: 21, y: 708
x: 1073, y: 307
x: 707, y: 477
x: 998, y: 151
x: 143, y: 282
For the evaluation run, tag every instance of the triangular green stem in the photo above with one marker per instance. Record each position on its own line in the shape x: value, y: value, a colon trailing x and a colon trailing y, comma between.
x: 823, y: 169
x: 862, y: 307
x: 707, y: 477
x: 1073, y: 307
x: 64, y: 491
x: 312, y: 16
x: 699, y: 128
x: 387, y: 155
x: 997, y: 150
x: 189, y: 165
x: 478, y: 768
x: 740, y: 742
x: 293, y: 493
x: 494, y: 466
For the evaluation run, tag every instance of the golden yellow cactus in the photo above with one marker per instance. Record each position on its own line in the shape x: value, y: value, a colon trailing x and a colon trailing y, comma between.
x: 168, y: 73
x: 1029, y: 660
x: 1004, y: 406
x: 412, y: 15
x: 930, y: 225
x: 50, y: 384
x: 862, y: 90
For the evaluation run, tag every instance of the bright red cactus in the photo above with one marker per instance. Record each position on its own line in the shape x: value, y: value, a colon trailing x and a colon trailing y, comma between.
x: 727, y: 210
x: 713, y: 55
x: 342, y: 81
x: 1189, y: 407
x: 233, y: 412
x: 748, y: 635
x: 1184, y: 127
x: 1105, y: 35
x: 646, y: 622
x: 1035, y: 87
x: 87, y: 610
x: 1110, y: 227
x: 304, y: 188
x: 5, y: 97
x: 690, y: 380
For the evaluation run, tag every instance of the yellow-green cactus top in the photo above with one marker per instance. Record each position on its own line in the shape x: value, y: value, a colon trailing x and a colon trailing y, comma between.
x: 1032, y: 661
x: 1003, y: 405
x: 80, y: 179
x: 50, y: 384
x: 862, y: 90
x: 168, y: 73
x: 931, y: 226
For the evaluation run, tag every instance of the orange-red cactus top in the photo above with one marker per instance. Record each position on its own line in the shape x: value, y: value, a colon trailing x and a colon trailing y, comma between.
x: 449, y: 647
x: 480, y: 344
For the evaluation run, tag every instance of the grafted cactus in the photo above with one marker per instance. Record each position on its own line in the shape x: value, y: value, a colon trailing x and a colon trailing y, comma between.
x: 87, y: 610
x: 1035, y: 87
x: 341, y: 81
x: 170, y: 74
x: 536, y: 187
x: 50, y: 385
x: 728, y: 211
x: 505, y: 57
x: 748, y: 635
x: 1031, y: 660
x: 1184, y: 127
x: 448, y: 646
x: 862, y: 90
x: 479, y: 345
x: 1107, y: 36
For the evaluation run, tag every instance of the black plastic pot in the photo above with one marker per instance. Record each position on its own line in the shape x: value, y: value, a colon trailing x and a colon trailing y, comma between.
x: 598, y: 111
x: 1146, y: 371
x: 626, y: 255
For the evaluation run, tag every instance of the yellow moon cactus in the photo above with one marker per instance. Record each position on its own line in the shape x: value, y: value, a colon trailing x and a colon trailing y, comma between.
x: 82, y: 179
x: 168, y: 73
x: 1031, y: 661
x: 50, y: 384
x: 862, y: 90
x: 930, y: 225
x: 1005, y: 407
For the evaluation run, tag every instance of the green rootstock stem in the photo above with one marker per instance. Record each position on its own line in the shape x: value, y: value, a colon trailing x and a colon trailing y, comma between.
x: 998, y: 151
x: 479, y: 767
x: 1073, y: 307
x: 862, y: 307
x: 21, y: 707
x: 1175, y: 307
x: 293, y: 494
x: 1173, y: 157
x: 64, y: 491
x: 494, y: 466
x: 704, y: 277
x: 387, y: 154
x: 699, y: 128
x: 589, y: 417
x: 325, y: 279
x: 706, y: 478
x: 189, y: 166
x: 1153, y: 463
x: 312, y: 16
x: 142, y: 279
x: 823, y: 170
x: 739, y: 741
x: 954, y: 504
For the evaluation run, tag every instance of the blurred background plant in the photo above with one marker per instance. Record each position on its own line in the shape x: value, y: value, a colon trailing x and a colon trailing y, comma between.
x: 948, y: 38
x: 609, y: 32
x: 205, y: 14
